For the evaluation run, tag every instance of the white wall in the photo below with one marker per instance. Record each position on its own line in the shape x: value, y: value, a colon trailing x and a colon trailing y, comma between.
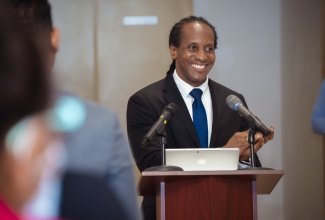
x: 251, y: 59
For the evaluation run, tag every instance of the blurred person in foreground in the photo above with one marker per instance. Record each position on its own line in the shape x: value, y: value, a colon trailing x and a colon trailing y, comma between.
x: 99, y: 181
x: 192, y: 44
x: 25, y: 131
x: 318, y: 116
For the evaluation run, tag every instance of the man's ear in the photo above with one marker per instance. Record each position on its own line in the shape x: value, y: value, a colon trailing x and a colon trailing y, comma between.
x: 55, y: 37
x: 173, y: 52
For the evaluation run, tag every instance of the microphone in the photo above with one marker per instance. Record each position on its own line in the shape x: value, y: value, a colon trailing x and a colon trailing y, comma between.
x: 167, y: 114
x: 254, y: 122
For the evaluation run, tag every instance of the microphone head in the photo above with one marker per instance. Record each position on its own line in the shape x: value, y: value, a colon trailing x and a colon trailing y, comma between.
x: 233, y: 102
x: 171, y: 108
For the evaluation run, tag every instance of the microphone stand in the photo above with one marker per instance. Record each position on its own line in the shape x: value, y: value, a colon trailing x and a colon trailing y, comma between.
x: 251, y: 141
x: 163, y: 167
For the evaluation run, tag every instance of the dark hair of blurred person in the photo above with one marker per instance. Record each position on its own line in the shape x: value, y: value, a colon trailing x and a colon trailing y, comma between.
x: 109, y: 169
x: 36, y: 16
x: 25, y: 95
x: 24, y: 85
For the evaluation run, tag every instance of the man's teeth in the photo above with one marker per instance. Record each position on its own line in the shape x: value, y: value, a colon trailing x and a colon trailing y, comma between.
x: 198, y: 66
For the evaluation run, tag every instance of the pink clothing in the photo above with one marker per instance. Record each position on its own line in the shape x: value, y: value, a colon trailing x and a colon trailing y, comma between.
x: 6, y: 213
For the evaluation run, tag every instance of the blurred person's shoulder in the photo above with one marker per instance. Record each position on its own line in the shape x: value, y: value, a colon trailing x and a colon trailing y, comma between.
x: 95, y: 137
x: 93, y: 109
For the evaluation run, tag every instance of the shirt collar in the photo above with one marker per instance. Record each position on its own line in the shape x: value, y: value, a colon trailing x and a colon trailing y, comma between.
x: 185, y: 88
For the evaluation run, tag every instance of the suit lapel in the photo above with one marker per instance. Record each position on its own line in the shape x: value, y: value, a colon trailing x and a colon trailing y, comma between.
x: 172, y: 95
x: 217, y: 111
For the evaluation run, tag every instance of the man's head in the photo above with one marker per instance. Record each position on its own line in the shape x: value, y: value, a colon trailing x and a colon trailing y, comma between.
x: 36, y: 16
x: 192, y: 42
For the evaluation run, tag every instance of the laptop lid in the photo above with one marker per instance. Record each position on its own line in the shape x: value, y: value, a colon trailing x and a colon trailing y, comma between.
x: 203, y: 159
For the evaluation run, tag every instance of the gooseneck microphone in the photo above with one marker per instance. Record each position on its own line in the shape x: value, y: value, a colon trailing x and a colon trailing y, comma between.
x: 167, y: 114
x: 254, y: 122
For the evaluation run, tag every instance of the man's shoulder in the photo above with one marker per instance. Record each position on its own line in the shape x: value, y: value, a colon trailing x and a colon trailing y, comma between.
x: 221, y: 88
x: 151, y: 90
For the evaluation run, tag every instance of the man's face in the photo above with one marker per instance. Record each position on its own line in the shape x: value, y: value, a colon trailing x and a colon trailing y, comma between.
x: 195, y: 55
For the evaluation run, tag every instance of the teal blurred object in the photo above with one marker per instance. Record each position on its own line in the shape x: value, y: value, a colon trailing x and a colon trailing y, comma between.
x: 16, y: 136
x: 68, y: 115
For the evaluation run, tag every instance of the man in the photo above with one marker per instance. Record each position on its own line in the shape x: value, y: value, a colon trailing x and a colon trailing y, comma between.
x: 192, y: 44
x: 98, y: 153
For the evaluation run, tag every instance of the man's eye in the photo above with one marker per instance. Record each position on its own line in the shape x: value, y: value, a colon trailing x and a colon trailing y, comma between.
x: 192, y: 47
x: 209, y: 49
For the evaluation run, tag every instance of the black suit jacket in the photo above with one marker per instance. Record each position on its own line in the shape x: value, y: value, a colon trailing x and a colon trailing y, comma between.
x: 146, y: 105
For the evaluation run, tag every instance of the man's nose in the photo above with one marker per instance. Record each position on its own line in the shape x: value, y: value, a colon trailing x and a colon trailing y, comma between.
x: 201, y: 55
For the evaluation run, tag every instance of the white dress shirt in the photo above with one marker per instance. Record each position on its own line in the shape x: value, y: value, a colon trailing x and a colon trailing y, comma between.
x: 185, y: 89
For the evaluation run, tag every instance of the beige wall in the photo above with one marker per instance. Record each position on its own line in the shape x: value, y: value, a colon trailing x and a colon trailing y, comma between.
x: 74, y: 68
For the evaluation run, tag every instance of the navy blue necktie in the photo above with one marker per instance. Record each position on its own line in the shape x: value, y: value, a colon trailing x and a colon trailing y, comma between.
x: 200, y: 117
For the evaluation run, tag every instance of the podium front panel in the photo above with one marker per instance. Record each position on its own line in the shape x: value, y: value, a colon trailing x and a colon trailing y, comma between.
x: 209, y: 198
x: 208, y: 195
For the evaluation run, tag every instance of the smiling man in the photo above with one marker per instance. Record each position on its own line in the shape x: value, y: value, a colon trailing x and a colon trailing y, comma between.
x: 203, y: 119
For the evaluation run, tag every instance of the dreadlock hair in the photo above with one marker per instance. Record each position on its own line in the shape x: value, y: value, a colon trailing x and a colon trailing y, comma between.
x: 176, y: 31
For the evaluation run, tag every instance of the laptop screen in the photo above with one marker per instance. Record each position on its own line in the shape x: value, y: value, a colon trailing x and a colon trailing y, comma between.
x: 203, y: 159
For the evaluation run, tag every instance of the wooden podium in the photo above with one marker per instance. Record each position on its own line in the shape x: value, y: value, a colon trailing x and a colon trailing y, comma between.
x: 208, y: 195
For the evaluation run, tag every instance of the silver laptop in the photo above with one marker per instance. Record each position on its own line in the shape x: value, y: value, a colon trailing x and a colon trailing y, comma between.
x: 203, y: 159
